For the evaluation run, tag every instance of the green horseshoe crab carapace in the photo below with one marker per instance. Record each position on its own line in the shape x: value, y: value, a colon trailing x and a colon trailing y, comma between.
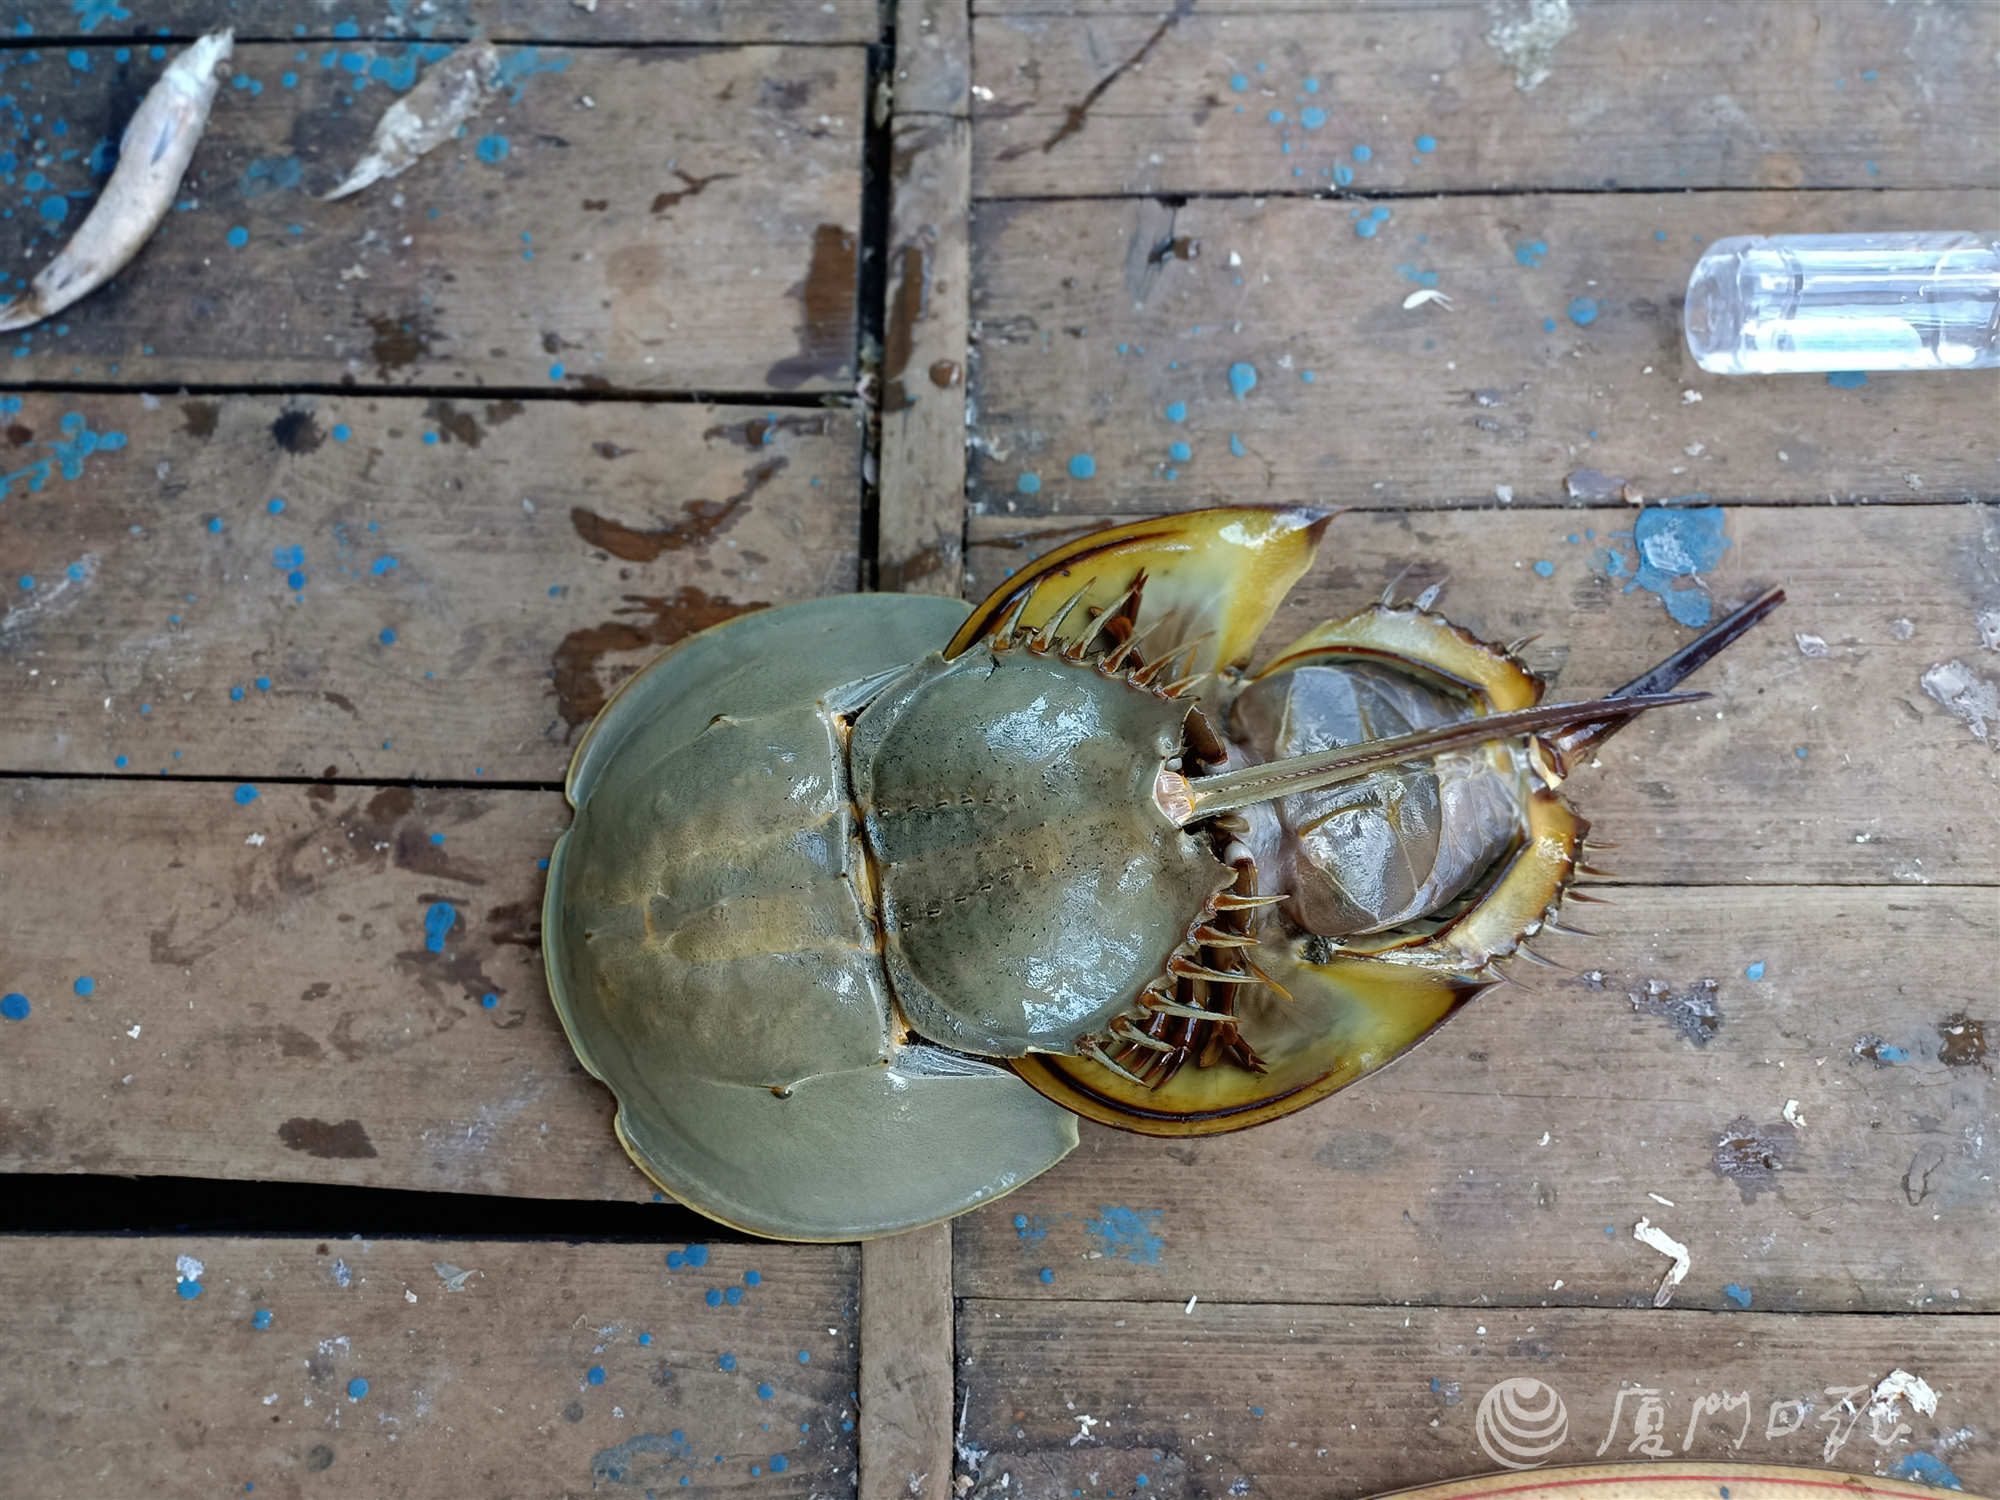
x: 868, y: 898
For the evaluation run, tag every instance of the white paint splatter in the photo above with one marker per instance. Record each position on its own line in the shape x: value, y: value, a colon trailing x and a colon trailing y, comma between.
x: 187, y: 1268
x: 1526, y: 36
x: 1792, y: 1116
x: 1810, y: 645
x: 1988, y: 621
x: 1900, y: 1382
x: 1646, y: 1234
x: 341, y: 1274
x: 1967, y: 694
x: 453, y: 1278
x: 1426, y: 294
x: 1084, y: 1422
x: 52, y: 599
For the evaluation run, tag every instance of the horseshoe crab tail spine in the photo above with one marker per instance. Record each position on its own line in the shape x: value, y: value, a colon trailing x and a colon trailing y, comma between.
x: 1567, y: 747
x: 1205, y: 796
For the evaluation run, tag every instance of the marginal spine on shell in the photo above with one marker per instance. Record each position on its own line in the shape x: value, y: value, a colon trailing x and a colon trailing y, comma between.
x: 153, y: 156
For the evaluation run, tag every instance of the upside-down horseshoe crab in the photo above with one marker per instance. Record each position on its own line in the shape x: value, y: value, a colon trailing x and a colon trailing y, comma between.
x: 867, y: 898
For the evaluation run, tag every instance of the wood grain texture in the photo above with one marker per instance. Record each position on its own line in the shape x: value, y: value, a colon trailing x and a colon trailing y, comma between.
x: 670, y: 21
x: 1638, y: 94
x: 1508, y: 1159
x: 1535, y: 371
x: 924, y: 359
x: 668, y: 219
x: 266, y: 1002
x: 906, y: 1366
x: 554, y: 1370
x: 1354, y: 1401
x: 933, y: 57
x: 1805, y: 768
x: 525, y: 561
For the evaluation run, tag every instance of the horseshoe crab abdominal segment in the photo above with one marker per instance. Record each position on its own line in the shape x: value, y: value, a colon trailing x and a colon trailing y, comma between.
x: 866, y: 899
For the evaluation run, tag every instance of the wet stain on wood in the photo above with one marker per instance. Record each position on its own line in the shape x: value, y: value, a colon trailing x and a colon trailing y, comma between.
x: 334, y: 1141
x: 1961, y: 1041
x: 706, y: 519
x: 944, y: 373
x: 454, y: 425
x: 826, y: 318
x: 198, y: 418
x: 906, y: 310
x: 691, y: 187
x: 759, y: 431
x: 297, y: 431
x: 644, y: 621
x: 399, y: 342
x: 1752, y: 1155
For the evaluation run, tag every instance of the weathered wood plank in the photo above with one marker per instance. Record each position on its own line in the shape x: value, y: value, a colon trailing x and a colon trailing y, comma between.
x: 1808, y: 767
x: 370, y: 1058
x: 526, y: 560
x: 933, y: 57
x: 906, y: 1366
x: 1637, y: 94
x: 672, y: 21
x: 1354, y: 1401
x: 1095, y: 319
x: 631, y: 219
x: 293, y: 1020
x: 1508, y: 1159
x: 924, y: 359
x: 553, y: 1370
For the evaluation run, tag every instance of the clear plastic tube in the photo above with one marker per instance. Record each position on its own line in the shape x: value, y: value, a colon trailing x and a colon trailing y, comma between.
x: 1766, y: 305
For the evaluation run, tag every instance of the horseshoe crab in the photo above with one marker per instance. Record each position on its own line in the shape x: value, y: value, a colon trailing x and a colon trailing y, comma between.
x: 867, y: 898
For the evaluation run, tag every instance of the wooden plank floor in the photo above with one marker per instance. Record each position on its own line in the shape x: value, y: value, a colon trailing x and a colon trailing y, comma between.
x: 317, y: 553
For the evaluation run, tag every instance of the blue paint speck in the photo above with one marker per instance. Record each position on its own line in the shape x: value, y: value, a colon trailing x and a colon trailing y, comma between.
x: 342, y: 432
x: 188, y: 1290
x: 1176, y: 411
x: 55, y: 208
x: 1927, y: 1469
x: 646, y: 1338
x: 1366, y: 228
x: 1545, y: 568
x: 85, y: 985
x: 1128, y: 1232
x: 697, y: 1255
x: 1755, y: 971
x: 1236, y: 448
x: 1029, y: 484
x: 726, y: 1362
x: 1180, y: 453
x: 245, y: 794
x: 276, y: 506
x: 1083, y: 466
x: 805, y: 1356
x: 1045, y: 1275
x: 556, y: 370
x: 238, y: 237
x: 1530, y: 252
x: 388, y: 636
x: 15, y: 1006
x: 487, y: 1001
x: 595, y: 1375
x: 1548, y: 325
x: 261, y: 1318
x: 121, y: 762
x: 753, y: 1278
x: 1312, y: 118
x: 1847, y: 380
x: 439, y: 920
x: 765, y: 1393
x: 1242, y: 379
x: 1239, y: 83
x: 1363, y: 153
x: 732, y: 1295
x: 493, y: 149
x: 1740, y: 1295
x: 263, y: 684
x: 1660, y: 234
x: 381, y: 565
x: 713, y: 1296
x: 1583, y: 311
x: 1427, y: 144
x: 356, y: 1388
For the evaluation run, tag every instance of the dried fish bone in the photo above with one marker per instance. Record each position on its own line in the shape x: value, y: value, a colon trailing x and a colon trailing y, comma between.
x: 425, y: 118
x: 152, y: 158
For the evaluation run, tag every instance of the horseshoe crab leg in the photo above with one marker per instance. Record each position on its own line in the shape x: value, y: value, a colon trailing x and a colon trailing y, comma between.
x: 153, y: 156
